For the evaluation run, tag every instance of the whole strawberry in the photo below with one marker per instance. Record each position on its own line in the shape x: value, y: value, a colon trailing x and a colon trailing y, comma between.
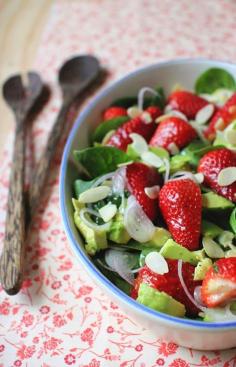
x: 121, y: 138
x: 138, y: 177
x: 180, y: 202
x: 186, y: 102
x: 222, y: 117
x: 170, y: 283
x: 173, y: 130
x: 211, y: 164
x: 219, y: 284
x: 113, y: 112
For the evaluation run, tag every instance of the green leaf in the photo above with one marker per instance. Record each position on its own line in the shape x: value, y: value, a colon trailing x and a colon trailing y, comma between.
x: 195, y: 150
x: 232, y: 220
x: 100, y: 160
x: 81, y: 186
x: 107, y: 126
x: 213, y: 79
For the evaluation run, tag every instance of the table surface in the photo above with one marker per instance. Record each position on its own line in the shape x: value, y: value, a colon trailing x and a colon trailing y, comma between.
x: 22, y: 22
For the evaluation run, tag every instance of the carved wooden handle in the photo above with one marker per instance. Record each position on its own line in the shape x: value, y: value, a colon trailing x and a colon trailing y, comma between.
x: 41, y: 172
x: 11, y: 261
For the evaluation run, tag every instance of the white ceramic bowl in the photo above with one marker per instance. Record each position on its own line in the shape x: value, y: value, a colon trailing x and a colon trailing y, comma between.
x: 186, y: 332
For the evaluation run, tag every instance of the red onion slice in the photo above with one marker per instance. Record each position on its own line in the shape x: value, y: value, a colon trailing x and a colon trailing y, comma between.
x: 121, y: 263
x: 136, y: 222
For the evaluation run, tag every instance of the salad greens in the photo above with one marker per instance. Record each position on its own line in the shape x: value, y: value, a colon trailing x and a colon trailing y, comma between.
x: 213, y: 79
x: 100, y: 160
x: 103, y: 222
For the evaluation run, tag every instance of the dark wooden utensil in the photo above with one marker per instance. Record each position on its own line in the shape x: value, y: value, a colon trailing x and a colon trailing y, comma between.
x: 75, y: 76
x: 21, y: 100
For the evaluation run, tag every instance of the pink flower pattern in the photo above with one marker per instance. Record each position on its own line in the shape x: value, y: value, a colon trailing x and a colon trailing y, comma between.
x: 61, y: 317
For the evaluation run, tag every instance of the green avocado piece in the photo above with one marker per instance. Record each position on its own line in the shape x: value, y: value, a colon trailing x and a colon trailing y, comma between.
x: 95, y: 240
x: 160, y: 152
x: 159, y: 301
x: 210, y: 229
x: 211, y: 200
x: 161, y: 235
x: 117, y: 232
x: 201, y: 268
x: 172, y: 250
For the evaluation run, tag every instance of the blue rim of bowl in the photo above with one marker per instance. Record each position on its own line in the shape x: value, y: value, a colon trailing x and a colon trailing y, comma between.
x: 90, y: 267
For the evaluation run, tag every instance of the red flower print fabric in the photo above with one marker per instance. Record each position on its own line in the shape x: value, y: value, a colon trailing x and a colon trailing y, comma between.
x: 61, y: 317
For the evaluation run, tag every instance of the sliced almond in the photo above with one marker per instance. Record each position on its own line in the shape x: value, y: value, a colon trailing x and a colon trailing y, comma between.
x: 173, y: 148
x: 220, y: 125
x: 134, y: 111
x: 124, y: 164
x: 152, y: 192
x: 94, y: 194
x: 204, y: 114
x: 199, y: 177
x: 230, y: 136
x: 107, y: 136
x: 139, y: 143
x: 226, y: 176
x: 152, y: 159
x: 108, y: 211
x: 168, y: 108
x: 230, y: 253
x: 212, y: 249
x: 156, y: 262
x: 146, y: 117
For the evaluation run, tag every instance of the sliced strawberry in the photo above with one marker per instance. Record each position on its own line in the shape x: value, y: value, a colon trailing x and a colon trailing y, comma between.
x: 180, y: 202
x: 113, y: 112
x: 211, y: 164
x: 173, y: 130
x: 186, y: 102
x: 219, y: 284
x: 121, y: 138
x: 138, y: 177
x: 222, y: 117
x: 170, y: 283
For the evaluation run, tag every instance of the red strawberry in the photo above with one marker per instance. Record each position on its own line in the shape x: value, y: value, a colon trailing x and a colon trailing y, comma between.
x: 180, y: 202
x: 138, y: 177
x: 222, y: 117
x: 219, y: 284
x: 120, y: 139
x: 154, y: 112
x: 211, y: 164
x: 113, y: 112
x: 173, y: 130
x: 170, y: 283
x: 186, y: 102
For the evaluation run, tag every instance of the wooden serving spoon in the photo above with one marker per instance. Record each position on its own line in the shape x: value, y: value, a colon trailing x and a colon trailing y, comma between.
x: 76, y: 75
x: 21, y: 99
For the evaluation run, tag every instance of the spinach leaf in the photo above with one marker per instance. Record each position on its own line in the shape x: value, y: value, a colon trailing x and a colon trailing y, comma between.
x: 107, y: 126
x: 213, y: 79
x: 81, y: 186
x: 232, y: 220
x: 127, y: 102
x: 100, y: 160
x: 195, y: 150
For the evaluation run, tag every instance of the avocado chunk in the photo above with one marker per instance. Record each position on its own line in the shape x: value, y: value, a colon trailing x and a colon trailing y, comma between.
x: 159, y: 301
x: 161, y: 235
x: 172, y: 250
x: 95, y: 240
x: 210, y: 229
x: 211, y: 200
x: 117, y: 232
x: 202, y: 268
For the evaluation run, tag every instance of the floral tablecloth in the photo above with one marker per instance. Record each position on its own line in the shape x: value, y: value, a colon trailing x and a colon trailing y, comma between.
x: 61, y: 318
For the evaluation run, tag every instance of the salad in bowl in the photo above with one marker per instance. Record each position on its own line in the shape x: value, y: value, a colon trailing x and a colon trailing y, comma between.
x: 154, y: 197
